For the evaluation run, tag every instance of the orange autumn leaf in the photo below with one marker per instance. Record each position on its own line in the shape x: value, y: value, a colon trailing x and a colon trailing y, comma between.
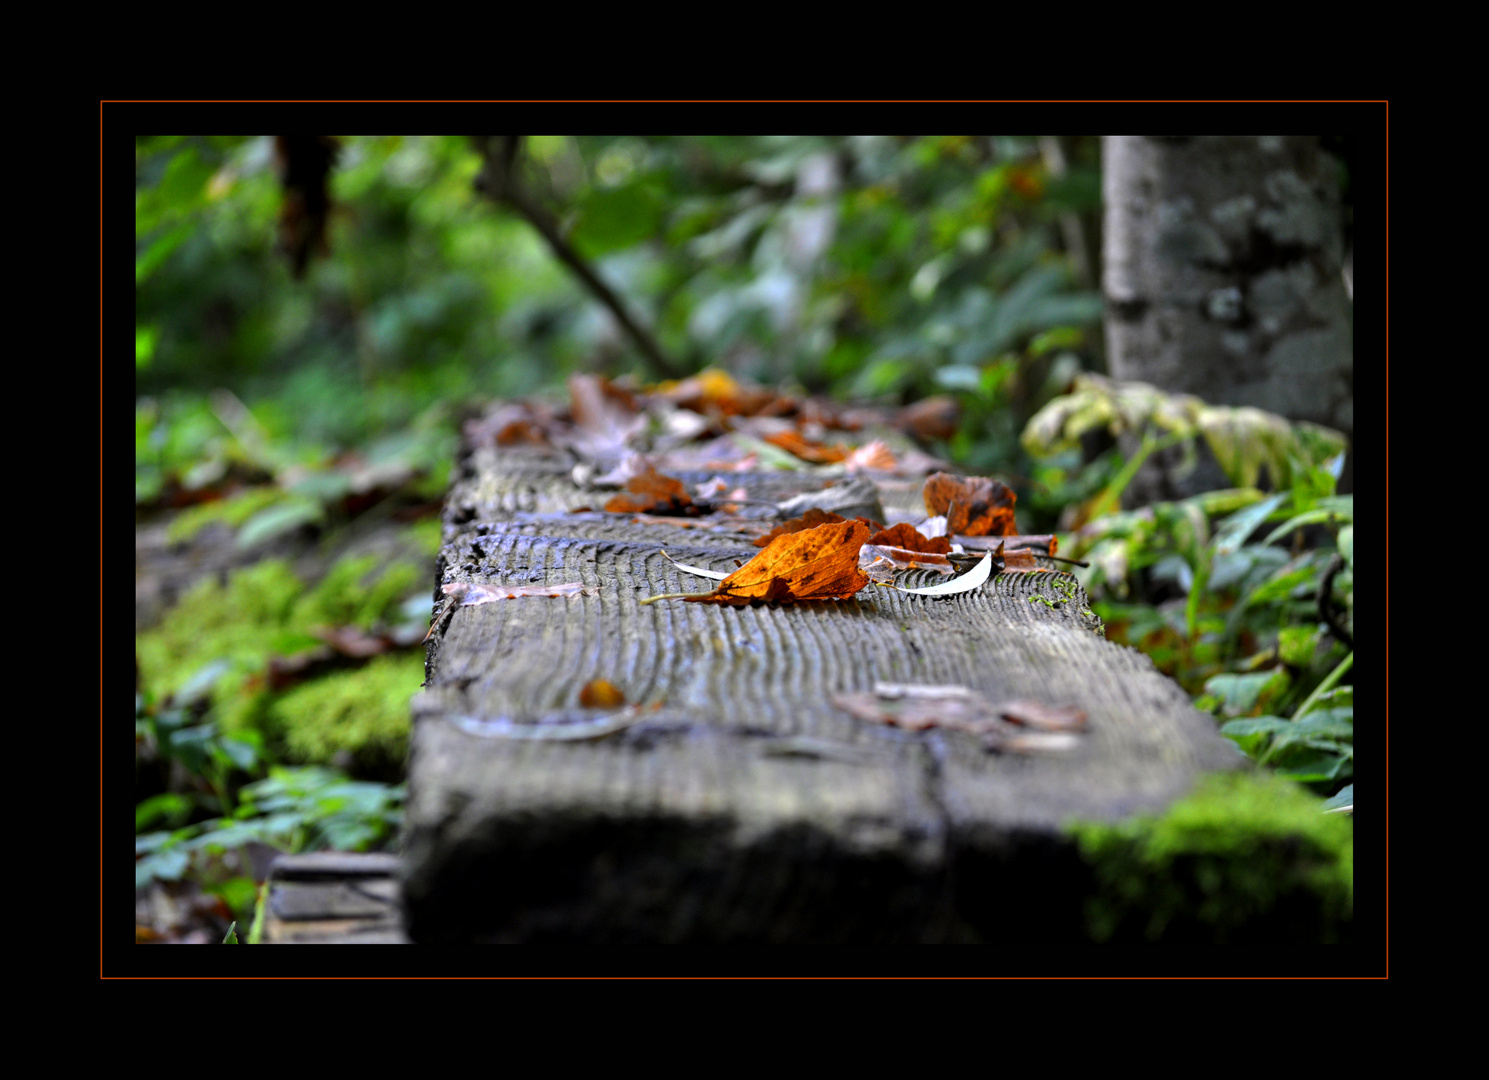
x: 907, y: 536
x: 973, y: 505
x: 817, y: 564
x: 875, y: 456
x: 812, y: 519
x: 807, y: 450
x: 654, y: 493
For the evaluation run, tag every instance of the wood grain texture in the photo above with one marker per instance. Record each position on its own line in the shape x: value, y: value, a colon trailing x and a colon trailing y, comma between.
x: 739, y: 804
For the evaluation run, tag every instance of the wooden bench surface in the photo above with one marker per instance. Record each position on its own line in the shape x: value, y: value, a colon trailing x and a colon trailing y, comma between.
x: 737, y: 801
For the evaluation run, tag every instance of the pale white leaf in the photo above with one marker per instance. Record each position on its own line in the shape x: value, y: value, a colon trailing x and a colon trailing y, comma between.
x: 694, y: 569
x: 966, y: 583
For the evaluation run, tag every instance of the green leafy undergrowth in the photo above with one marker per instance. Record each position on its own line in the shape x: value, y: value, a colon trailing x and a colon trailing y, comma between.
x: 265, y: 610
x: 291, y: 810
x: 1247, y: 857
x: 1243, y: 596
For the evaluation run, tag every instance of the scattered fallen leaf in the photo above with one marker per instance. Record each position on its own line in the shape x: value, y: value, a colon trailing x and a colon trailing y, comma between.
x: 605, y: 416
x: 718, y: 391
x: 817, y: 564
x: 959, y: 708
x: 1041, y: 543
x: 1036, y: 714
x: 972, y: 579
x: 1020, y: 562
x: 717, y: 575
x: 904, y: 535
x: 467, y: 594
x: 652, y: 492
x: 872, y: 456
x: 850, y: 498
x: 973, y: 505
x: 601, y: 694
x: 920, y: 690
x: 880, y: 562
x: 807, y: 450
x: 931, y: 418
x: 812, y: 519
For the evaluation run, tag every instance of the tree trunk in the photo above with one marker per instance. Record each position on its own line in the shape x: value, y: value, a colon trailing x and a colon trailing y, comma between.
x: 1223, y: 259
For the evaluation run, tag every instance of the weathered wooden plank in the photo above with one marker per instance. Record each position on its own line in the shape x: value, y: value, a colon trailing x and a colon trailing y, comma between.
x: 333, y: 897
x: 740, y: 803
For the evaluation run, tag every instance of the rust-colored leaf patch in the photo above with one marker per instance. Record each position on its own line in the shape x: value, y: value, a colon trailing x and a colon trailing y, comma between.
x: 807, y: 450
x: 601, y: 694
x: 652, y: 492
x: 812, y: 519
x: 817, y: 564
x: 907, y: 536
x: 973, y: 505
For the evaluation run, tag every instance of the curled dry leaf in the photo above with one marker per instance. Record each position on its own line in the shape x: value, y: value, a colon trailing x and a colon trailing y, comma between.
x: 652, y: 492
x: 973, y: 505
x: 818, y: 564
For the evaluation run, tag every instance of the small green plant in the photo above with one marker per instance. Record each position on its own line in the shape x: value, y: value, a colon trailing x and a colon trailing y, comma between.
x: 1259, y: 630
x: 292, y: 810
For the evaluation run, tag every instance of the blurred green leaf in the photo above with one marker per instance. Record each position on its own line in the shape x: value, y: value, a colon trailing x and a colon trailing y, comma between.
x: 279, y: 519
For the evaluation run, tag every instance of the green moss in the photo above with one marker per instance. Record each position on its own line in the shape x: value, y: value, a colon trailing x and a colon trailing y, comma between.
x: 264, y: 611
x: 242, y: 622
x: 364, y: 713
x: 233, y: 511
x: 357, y: 593
x: 1245, y: 857
x: 427, y: 535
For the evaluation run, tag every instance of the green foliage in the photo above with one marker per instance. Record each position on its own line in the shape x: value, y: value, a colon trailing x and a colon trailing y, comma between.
x: 1245, y: 858
x: 292, y: 810
x: 1243, y: 628
x: 889, y: 267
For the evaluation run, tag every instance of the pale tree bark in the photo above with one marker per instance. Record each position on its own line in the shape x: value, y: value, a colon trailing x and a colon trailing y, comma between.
x: 1223, y: 259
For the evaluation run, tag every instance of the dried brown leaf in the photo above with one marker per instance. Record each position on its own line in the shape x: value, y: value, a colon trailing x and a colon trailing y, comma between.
x: 807, y: 450
x: 973, y: 505
x: 906, y: 536
x: 812, y: 519
x: 958, y: 708
x: 652, y: 492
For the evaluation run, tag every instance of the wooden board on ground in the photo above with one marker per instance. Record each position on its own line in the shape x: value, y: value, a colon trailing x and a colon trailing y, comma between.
x: 731, y: 798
